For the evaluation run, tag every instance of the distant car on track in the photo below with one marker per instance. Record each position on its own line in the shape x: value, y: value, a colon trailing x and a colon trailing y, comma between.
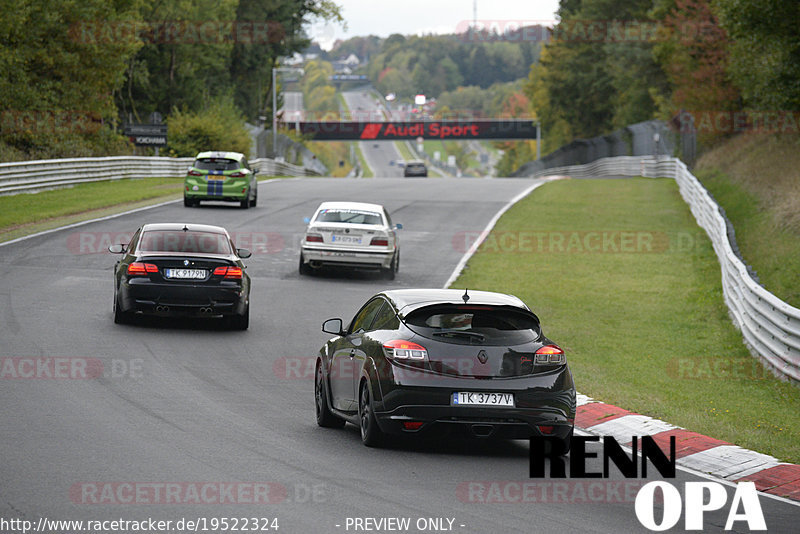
x: 181, y: 269
x: 221, y: 176
x: 415, y: 168
x: 351, y: 234
x: 431, y: 361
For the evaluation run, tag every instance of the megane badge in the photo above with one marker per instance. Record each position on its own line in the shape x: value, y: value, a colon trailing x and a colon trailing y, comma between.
x: 482, y: 356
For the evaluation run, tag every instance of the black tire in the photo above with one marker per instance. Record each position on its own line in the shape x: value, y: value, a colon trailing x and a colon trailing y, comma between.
x: 244, y: 204
x: 391, y: 272
x: 121, y: 317
x: 187, y: 202
x: 371, y: 434
x: 562, y: 446
x: 255, y: 200
x: 241, y: 322
x: 304, y: 268
x: 325, y: 417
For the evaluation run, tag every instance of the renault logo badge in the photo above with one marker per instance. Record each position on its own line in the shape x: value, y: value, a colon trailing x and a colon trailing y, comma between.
x: 186, y: 262
x: 482, y: 356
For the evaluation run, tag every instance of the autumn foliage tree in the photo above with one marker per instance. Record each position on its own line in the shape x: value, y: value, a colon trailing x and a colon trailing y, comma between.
x: 694, y: 53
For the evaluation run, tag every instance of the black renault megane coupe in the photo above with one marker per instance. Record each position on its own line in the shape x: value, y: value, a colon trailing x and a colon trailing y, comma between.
x: 182, y: 269
x: 429, y: 361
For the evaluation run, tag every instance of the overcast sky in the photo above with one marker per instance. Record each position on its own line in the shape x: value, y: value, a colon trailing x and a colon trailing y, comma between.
x: 385, y: 17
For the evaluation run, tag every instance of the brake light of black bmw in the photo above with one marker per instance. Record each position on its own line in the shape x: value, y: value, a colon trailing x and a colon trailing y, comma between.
x: 231, y: 273
x: 141, y: 269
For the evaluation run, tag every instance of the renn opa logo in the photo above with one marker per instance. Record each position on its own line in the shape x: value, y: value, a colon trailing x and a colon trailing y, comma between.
x: 699, y: 497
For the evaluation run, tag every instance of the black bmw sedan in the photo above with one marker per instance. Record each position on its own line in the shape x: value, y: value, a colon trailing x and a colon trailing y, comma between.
x: 182, y: 269
x: 424, y: 361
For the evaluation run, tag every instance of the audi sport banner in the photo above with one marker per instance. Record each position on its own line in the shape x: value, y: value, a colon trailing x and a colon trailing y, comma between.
x: 395, y: 131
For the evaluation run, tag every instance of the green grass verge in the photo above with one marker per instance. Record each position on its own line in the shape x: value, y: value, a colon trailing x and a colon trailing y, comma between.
x: 404, y: 151
x: 366, y: 170
x: 640, y: 314
x: 28, y: 213
x: 755, y: 179
x: 772, y: 251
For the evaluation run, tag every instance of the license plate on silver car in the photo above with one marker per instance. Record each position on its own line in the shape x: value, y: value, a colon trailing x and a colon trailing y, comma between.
x: 346, y: 239
x: 185, y: 274
x: 481, y: 398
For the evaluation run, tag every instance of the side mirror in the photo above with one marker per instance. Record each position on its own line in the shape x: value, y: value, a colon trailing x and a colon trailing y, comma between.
x: 306, y: 220
x: 117, y: 249
x: 256, y: 170
x: 243, y: 253
x: 333, y: 326
x: 398, y: 226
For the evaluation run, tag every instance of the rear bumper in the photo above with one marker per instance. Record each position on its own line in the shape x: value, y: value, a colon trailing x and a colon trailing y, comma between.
x: 539, y: 400
x: 475, y: 422
x: 202, y: 190
x: 185, y: 299
x: 348, y: 257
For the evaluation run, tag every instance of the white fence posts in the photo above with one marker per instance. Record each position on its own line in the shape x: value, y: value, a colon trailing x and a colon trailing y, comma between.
x: 770, y: 326
x: 42, y: 174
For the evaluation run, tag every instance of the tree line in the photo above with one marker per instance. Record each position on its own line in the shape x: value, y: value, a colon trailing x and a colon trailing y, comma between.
x: 609, y: 64
x: 433, y: 64
x: 72, y: 72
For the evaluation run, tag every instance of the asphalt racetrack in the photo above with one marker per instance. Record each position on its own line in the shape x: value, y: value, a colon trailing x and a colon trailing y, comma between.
x: 176, y: 420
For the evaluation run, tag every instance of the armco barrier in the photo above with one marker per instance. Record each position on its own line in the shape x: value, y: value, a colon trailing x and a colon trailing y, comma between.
x: 770, y: 326
x: 35, y: 175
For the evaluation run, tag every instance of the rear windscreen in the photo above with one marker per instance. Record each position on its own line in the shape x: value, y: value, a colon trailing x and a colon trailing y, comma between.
x: 180, y: 241
x: 349, y: 216
x: 475, y: 325
x: 216, y: 164
x: 417, y: 166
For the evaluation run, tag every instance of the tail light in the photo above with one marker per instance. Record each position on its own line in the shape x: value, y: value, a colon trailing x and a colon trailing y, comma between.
x: 141, y: 269
x: 550, y: 355
x: 237, y: 174
x: 379, y: 241
x: 231, y: 273
x: 400, y: 349
x: 313, y: 238
x: 195, y: 173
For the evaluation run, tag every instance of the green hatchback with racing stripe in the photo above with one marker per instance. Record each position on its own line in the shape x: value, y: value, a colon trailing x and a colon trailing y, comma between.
x: 221, y: 176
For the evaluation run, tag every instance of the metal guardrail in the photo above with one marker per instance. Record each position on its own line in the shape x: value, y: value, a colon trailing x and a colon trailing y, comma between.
x: 770, y: 326
x: 43, y: 174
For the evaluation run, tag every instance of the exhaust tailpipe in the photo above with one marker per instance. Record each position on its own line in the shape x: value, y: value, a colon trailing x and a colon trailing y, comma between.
x: 482, y: 431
